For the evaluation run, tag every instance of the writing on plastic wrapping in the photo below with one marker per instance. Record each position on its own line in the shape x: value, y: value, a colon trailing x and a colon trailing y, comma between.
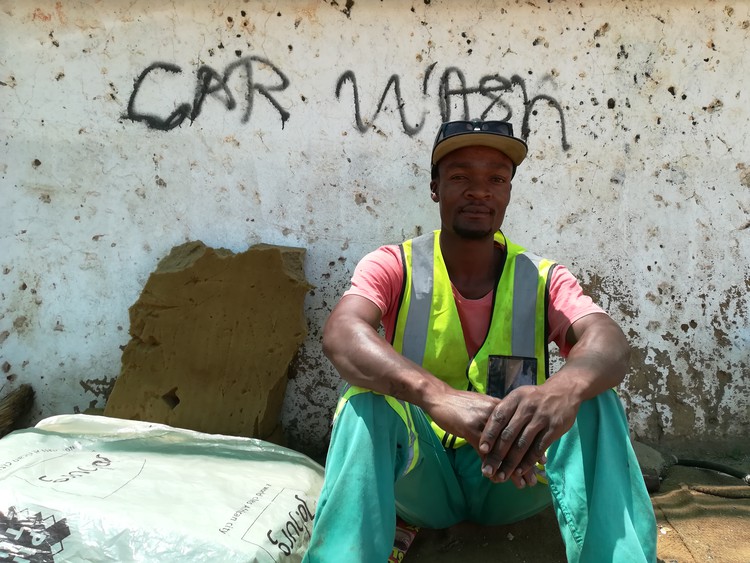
x: 99, y: 462
x: 293, y: 530
x: 245, y: 508
x: 8, y: 464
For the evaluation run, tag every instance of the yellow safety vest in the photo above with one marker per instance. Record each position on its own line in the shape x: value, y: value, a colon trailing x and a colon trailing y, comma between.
x: 428, y: 329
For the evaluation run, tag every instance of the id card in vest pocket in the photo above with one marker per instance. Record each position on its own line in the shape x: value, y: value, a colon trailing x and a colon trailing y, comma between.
x: 505, y: 373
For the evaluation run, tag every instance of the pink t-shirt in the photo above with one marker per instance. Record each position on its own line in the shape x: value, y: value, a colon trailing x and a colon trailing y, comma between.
x: 379, y: 277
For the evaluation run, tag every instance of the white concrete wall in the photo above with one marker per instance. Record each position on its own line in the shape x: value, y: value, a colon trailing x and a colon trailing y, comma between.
x: 636, y: 114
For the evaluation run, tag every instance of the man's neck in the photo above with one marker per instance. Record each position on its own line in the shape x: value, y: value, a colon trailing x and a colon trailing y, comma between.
x: 472, y: 264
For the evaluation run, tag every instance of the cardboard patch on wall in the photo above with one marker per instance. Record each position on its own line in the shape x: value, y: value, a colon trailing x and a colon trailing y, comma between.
x: 212, y: 337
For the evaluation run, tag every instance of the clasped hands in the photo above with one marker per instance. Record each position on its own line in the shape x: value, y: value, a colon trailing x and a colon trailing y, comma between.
x: 512, y: 434
x: 520, y: 429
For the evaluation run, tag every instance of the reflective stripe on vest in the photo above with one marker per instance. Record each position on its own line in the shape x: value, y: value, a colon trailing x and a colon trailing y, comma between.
x: 428, y: 329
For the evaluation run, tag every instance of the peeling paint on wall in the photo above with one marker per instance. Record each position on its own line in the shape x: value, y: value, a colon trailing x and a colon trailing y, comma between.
x: 132, y: 129
x: 685, y: 376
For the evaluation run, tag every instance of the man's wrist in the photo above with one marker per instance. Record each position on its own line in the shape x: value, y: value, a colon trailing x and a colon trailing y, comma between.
x: 428, y: 392
x: 571, y: 384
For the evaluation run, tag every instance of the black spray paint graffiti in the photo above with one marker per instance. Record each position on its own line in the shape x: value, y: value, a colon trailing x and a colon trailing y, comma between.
x: 493, y: 88
x: 395, y: 82
x: 211, y: 82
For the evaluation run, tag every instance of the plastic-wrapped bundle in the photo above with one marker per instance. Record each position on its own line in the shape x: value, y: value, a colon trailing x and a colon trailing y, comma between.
x: 88, y: 488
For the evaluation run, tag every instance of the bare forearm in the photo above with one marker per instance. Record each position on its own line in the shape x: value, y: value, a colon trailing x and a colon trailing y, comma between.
x: 597, y: 362
x: 365, y: 359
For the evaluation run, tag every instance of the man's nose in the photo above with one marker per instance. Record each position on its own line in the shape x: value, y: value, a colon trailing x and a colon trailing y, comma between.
x: 479, y: 189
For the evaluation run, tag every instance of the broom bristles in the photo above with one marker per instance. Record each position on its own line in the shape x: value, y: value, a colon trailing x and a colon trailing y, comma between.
x: 13, y: 406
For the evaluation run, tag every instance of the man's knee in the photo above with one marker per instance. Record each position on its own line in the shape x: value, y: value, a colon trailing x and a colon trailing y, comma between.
x: 364, y: 402
x: 375, y: 410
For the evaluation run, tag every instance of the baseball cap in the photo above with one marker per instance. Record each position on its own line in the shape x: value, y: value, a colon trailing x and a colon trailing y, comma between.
x: 454, y: 135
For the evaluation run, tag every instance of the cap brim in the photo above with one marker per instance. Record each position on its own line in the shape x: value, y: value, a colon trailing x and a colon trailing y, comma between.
x: 514, y: 148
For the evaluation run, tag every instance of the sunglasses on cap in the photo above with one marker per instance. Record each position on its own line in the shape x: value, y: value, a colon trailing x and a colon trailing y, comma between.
x: 454, y: 135
x: 451, y: 128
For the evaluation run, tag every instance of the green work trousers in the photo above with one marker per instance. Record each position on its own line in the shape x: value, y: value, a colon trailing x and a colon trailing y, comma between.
x: 382, y: 463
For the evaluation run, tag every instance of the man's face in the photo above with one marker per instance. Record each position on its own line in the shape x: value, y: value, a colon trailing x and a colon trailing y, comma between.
x: 473, y: 190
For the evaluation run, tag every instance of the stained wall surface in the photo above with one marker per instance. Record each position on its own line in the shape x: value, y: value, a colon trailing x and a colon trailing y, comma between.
x: 130, y: 127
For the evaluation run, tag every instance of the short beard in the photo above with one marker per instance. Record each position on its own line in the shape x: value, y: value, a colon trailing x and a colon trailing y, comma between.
x: 472, y: 234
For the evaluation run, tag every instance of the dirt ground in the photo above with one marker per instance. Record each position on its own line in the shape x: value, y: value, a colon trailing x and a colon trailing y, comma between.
x: 702, y: 516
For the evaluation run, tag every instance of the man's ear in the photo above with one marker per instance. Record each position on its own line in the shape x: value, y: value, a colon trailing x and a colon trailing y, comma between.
x: 434, y: 191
